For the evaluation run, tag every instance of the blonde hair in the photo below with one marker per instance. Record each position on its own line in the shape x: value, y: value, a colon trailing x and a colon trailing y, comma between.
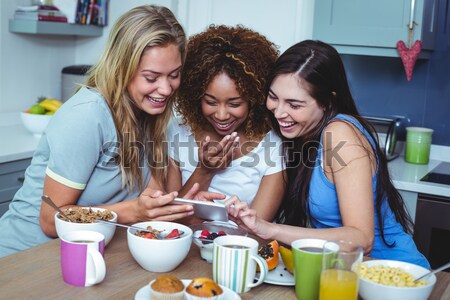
x: 134, y: 32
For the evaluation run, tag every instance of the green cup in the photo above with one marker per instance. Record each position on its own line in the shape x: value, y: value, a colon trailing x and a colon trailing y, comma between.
x: 418, y: 145
x: 308, y: 254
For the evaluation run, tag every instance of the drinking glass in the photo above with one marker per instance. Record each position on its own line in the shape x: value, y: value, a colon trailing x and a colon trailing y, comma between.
x: 339, y: 276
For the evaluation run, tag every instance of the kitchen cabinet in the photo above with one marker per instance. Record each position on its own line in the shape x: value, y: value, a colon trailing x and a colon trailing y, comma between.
x: 370, y: 27
x: 283, y: 25
x: 53, y: 28
x: 12, y: 175
x: 432, y: 228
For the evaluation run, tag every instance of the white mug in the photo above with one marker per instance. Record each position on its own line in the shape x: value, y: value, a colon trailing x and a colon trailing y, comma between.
x: 234, y: 263
x: 82, y: 262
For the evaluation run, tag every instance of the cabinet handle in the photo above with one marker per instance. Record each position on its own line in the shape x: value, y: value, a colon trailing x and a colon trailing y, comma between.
x: 411, y: 16
x: 21, y: 179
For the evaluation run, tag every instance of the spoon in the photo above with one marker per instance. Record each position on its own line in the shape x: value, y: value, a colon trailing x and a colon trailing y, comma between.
x: 434, y: 271
x: 159, y: 237
x: 50, y: 202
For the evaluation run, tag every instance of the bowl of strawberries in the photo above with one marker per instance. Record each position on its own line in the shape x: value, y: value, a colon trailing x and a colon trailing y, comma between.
x: 204, y: 234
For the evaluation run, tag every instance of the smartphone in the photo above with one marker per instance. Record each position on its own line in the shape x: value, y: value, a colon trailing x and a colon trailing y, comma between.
x: 206, y: 209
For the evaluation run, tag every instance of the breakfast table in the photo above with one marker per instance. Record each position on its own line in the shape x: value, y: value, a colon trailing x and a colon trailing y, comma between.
x: 36, y: 274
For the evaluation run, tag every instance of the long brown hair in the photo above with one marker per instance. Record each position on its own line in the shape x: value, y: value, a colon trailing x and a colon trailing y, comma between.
x: 320, y: 66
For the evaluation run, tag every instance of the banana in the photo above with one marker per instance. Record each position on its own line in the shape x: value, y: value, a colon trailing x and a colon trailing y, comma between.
x: 51, y: 104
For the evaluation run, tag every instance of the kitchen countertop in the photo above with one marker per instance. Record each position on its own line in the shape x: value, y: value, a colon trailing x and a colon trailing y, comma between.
x: 406, y: 177
x: 17, y: 143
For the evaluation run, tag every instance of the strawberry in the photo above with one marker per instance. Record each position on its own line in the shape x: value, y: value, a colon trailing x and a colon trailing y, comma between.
x: 174, y: 233
x: 204, y: 233
x: 149, y: 235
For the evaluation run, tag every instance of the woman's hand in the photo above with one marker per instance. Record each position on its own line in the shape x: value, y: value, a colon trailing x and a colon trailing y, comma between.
x: 217, y: 156
x: 239, y: 212
x: 195, y: 194
x: 152, y: 205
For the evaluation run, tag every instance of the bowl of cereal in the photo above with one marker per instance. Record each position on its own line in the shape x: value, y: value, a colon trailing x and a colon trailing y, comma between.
x: 159, y: 255
x: 83, y: 218
x: 393, y: 280
x: 205, y: 233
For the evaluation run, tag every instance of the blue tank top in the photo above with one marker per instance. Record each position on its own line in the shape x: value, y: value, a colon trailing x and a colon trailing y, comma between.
x: 324, y: 210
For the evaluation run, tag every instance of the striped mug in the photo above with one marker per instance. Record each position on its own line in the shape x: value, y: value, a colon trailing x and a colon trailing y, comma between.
x: 234, y: 263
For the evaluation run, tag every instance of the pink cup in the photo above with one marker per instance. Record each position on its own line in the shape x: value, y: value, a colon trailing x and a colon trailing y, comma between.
x: 82, y: 262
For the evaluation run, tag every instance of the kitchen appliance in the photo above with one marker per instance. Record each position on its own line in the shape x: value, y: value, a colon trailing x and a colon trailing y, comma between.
x: 391, y: 133
x: 432, y: 228
x: 432, y: 223
x: 72, y: 77
x: 440, y: 174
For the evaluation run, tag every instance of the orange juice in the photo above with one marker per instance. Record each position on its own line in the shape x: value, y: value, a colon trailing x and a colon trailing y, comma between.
x: 338, y: 285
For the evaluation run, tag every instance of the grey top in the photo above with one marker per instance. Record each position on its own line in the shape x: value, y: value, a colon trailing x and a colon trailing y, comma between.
x: 78, y: 149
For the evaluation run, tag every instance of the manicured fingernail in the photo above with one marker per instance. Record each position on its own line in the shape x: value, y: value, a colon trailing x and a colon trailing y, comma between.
x: 234, y: 133
x: 237, y: 139
x: 227, y: 137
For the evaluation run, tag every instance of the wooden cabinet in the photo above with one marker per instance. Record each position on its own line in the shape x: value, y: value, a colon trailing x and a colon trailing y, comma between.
x: 11, y: 179
x: 371, y: 27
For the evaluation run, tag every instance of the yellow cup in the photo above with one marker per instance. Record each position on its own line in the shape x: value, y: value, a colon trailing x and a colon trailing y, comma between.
x: 418, y: 145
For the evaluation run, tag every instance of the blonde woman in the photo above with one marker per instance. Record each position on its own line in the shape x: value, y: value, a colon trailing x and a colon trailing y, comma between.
x: 105, y: 146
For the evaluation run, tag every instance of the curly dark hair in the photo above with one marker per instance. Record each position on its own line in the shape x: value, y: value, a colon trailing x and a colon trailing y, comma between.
x: 245, y: 56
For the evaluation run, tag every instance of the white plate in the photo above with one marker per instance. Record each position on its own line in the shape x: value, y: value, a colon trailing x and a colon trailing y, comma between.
x: 279, y: 275
x: 144, y: 292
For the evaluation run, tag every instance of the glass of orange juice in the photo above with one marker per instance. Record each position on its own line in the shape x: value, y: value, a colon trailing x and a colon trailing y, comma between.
x: 339, y: 278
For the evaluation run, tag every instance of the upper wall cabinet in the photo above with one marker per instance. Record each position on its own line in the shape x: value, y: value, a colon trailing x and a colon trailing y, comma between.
x: 369, y: 27
x: 284, y: 24
x: 53, y: 28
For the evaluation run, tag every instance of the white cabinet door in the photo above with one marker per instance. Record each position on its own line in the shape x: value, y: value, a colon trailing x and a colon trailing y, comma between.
x: 371, y: 27
x: 282, y: 22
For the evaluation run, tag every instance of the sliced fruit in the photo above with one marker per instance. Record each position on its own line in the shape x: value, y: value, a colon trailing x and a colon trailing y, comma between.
x: 270, y: 253
x: 288, y: 258
x: 149, y: 235
x: 174, y: 233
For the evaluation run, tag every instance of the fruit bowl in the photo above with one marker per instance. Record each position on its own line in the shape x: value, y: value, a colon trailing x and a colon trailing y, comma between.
x: 35, y: 123
x: 213, y: 228
x: 157, y: 255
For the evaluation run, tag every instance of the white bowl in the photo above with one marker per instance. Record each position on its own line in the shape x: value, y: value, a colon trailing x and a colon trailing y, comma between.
x: 206, y: 249
x: 108, y: 231
x: 369, y: 290
x: 159, y: 255
x: 35, y: 124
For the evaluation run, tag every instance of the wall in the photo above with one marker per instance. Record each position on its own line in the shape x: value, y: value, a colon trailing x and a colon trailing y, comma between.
x: 30, y: 65
x: 380, y: 87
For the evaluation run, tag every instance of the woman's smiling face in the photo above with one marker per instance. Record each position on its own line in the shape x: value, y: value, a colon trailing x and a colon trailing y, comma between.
x: 156, y: 79
x: 296, y: 111
x: 223, y: 106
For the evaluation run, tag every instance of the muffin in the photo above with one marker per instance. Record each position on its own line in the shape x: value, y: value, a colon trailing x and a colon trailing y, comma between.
x: 203, y: 288
x: 167, y: 287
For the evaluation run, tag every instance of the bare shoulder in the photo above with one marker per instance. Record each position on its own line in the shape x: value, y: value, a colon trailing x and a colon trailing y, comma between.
x: 340, y: 131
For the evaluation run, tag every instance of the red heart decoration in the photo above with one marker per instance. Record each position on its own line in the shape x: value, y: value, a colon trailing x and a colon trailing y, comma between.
x: 409, y: 56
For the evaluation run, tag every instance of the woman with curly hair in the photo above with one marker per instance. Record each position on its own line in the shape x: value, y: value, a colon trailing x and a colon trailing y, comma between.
x: 224, y: 140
